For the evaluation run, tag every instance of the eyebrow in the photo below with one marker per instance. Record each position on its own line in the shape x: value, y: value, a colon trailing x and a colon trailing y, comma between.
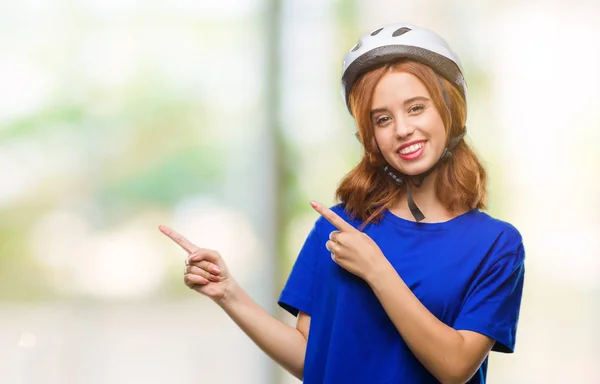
x: 406, y: 103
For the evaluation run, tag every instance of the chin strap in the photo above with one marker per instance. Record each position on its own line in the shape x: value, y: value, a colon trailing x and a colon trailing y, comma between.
x: 416, y: 212
x: 400, y: 181
x: 404, y: 180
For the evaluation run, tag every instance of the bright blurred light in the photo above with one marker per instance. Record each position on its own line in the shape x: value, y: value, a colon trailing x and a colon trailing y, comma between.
x: 27, y: 340
x: 26, y: 163
x: 25, y: 86
x: 212, y: 9
x: 546, y: 104
x: 121, y: 46
x: 210, y: 225
x: 21, y: 168
x: 122, y: 262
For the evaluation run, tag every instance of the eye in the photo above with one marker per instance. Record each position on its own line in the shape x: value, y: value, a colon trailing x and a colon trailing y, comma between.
x: 380, y: 121
x: 416, y: 109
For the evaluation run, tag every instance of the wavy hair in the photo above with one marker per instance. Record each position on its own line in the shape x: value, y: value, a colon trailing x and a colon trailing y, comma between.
x: 366, y: 191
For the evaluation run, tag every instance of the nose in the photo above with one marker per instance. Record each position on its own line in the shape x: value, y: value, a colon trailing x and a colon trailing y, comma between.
x: 404, y: 129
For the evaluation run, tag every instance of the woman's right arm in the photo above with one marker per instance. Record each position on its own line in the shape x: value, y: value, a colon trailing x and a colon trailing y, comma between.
x: 286, y: 345
x: 207, y: 274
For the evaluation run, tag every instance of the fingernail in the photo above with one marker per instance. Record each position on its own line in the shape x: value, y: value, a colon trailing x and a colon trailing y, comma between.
x: 313, y: 204
x: 215, y: 270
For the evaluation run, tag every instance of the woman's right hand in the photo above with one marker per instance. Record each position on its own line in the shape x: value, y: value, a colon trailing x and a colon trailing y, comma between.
x: 205, y: 271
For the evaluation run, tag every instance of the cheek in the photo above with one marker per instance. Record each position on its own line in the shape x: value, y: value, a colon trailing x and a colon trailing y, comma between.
x: 438, y: 133
x: 383, y: 139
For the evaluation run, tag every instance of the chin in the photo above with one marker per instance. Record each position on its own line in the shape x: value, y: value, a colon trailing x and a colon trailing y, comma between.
x: 415, y: 168
x: 411, y: 172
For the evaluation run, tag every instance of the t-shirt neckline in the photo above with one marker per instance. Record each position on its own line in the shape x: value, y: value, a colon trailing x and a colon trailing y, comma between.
x: 389, y: 216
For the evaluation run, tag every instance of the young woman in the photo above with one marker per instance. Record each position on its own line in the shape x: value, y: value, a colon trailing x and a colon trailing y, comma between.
x: 406, y: 280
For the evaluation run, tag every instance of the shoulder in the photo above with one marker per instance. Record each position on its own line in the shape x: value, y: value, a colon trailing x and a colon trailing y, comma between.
x: 506, y: 231
x: 505, y: 240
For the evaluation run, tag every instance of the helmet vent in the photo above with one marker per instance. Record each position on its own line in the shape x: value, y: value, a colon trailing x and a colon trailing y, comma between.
x: 356, y: 46
x: 401, y: 31
x: 376, y: 31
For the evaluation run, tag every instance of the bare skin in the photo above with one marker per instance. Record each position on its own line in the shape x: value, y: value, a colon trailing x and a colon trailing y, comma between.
x: 207, y: 273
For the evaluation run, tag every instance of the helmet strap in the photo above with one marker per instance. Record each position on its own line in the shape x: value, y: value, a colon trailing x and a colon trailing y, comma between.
x: 417, y: 180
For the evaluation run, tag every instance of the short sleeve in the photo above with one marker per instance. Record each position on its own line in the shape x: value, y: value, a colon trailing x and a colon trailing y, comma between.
x: 297, y: 294
x: 493, y: 303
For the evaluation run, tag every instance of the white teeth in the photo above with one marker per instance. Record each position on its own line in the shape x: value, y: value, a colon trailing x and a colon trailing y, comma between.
x: 411, y: 149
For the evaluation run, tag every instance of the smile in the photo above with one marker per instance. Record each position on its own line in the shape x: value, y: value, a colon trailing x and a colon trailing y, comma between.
x: 411, y: 148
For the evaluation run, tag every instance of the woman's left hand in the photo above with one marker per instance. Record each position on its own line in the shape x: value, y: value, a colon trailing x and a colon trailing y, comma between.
x: 350, y: 248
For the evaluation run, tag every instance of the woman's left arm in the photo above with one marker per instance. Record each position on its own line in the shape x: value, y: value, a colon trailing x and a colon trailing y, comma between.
x: 451, y: 356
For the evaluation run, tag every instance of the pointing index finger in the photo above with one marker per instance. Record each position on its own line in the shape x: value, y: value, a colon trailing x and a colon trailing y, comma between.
x: 184, y: 243
x: 332, y: 217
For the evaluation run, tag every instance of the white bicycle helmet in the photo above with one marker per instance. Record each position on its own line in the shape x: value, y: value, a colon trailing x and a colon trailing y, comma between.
x: 396, y: 41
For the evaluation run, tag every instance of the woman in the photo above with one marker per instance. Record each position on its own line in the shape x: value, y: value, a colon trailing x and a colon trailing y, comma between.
x: 406, y: 280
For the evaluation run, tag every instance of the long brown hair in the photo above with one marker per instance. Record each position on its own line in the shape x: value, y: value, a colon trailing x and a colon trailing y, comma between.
x: 366, y: 191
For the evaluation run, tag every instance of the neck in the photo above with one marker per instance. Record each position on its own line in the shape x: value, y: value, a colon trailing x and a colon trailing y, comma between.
x: 427, y: 201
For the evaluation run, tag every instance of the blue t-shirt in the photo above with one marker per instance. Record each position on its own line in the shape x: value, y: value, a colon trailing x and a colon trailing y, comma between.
x: 467, y: 271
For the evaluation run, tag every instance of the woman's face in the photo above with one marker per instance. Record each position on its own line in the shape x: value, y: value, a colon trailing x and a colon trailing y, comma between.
x: 408, y: 128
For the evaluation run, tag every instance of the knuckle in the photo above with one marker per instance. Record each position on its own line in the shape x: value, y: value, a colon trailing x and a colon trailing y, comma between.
x: 196, y: 279
x: 330, y: 246
x: 196, y: 255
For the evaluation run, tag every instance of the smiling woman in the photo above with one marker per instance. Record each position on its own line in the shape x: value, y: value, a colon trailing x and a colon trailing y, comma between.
x: 438, y: 286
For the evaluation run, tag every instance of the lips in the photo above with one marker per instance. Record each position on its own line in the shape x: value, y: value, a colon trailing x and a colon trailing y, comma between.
x: 412, y: 150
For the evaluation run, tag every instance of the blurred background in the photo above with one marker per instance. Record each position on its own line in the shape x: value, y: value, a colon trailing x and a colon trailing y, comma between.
x: 224, y: 119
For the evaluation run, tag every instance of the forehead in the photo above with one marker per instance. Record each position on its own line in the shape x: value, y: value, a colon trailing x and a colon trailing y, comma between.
x: 398, y: 86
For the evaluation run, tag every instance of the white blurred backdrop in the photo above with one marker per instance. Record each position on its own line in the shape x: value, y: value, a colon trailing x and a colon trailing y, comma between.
x: 223, y: 120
